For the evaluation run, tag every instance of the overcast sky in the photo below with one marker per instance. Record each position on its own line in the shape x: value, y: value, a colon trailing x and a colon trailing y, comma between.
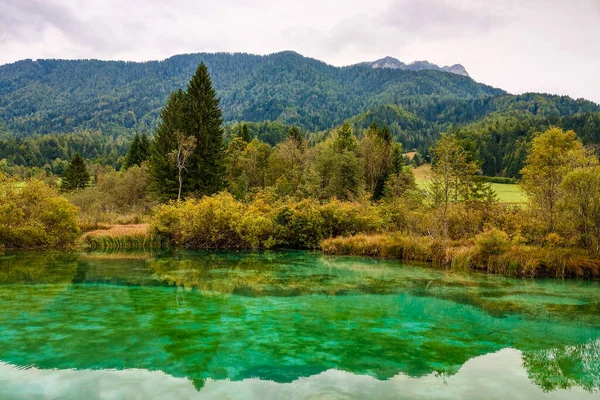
x: 519, y: 45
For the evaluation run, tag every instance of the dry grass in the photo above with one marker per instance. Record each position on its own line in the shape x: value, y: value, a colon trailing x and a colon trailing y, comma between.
x: 410, y: 154
x: 118, y: 231
x: 134, y: 236
x: 422, y: 173
x: 117, y: 256
x: 86, y: 226
x: 515, y: 260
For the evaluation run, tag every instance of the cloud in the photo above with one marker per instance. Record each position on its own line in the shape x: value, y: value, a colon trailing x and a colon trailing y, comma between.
x: 400, y: 22
x: 437, y: 17
x: 533, y: 45
x: 27, y: 20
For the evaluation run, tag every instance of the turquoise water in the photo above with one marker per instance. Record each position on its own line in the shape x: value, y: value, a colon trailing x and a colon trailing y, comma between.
x: 287, y: 325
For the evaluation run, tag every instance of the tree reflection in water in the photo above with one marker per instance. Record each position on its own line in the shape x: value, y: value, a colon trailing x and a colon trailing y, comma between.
x: 282, y: 316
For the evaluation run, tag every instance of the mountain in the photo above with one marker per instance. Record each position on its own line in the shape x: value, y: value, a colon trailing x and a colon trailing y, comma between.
x: 50, y: 109
x: 393, y: 63
x: 45, y: 96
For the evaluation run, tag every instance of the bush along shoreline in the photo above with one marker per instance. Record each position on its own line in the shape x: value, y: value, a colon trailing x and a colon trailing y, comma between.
x: 33, y: 215
x: 489, y: 252
x: 344, y: 191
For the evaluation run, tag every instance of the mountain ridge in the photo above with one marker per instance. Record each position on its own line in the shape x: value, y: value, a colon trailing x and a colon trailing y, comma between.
x: 49, y: 95
x: 394, y: 63
x: 50, y: 109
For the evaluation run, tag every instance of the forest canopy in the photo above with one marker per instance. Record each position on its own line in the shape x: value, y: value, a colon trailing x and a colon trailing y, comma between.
x: 52, y: 109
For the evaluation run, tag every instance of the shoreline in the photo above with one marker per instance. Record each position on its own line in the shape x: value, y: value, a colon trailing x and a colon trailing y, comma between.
x: 513, y: 260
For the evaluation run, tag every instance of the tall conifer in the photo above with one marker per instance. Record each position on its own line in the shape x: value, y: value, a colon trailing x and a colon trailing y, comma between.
x: 132, y: 153
x: 163, y: 174
x: 194, y: 112
x: 243, y: 133
x: 76, y: 175
x: 204, y: 120
x: 138, y: 151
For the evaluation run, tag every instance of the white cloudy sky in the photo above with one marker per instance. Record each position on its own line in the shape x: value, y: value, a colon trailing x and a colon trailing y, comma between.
x: 519, y: 45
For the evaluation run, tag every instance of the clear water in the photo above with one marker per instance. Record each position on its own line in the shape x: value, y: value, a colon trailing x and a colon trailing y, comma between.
x: 287, y: 325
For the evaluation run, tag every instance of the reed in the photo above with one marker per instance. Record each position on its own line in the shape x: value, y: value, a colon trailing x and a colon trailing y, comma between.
x: 480, y: 255
x: 123, y: 237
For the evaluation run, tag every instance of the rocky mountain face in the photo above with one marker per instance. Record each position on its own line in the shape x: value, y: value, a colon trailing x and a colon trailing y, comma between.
x: 393, y: 63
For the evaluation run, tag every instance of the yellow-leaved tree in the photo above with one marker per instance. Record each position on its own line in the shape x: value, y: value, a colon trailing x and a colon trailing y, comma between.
x: 554, y: 153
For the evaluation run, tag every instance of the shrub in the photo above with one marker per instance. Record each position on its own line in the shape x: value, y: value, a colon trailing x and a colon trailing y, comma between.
x: 299, y: 225
x: 32, y: 215
x: 349, y: 218
x: 205, y: 223
x: 218, y: 221
x: 256, y: 228
x: 117, y: 198
x: 463, y: 221
x: 492, y: 242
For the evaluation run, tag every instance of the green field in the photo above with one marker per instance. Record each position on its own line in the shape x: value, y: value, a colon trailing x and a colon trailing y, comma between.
x: 507, y: 193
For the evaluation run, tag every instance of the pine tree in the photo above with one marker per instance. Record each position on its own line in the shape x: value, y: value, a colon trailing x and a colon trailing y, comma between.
x: 244, y: 134
x: 194, y: 112
x: 295, y: 134
x: 76, y: 175
x: 138, y: 151
x: 133, y: 153
x: 203, y: 121
x: 164, y: 176
x: 144, y: 149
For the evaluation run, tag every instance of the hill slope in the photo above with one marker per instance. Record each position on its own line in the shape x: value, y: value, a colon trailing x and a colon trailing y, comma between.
x: 50, y: 109
x: 61, y: 96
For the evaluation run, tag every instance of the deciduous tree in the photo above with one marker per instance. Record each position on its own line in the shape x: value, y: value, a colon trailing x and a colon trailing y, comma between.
x: 180, y: 156
x: 554, y: 153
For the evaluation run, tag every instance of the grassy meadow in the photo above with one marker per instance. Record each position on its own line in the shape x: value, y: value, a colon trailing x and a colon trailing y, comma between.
x: 507, y: 192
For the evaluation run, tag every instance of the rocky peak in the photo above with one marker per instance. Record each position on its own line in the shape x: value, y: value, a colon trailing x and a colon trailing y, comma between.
x: 393, y: 63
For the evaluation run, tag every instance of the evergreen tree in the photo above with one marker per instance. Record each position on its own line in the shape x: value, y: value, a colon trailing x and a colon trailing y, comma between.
x: 243, y: 133
x: 194, y: 112
x: 164, y: 177
x: 76, y: 175
x: 132, y: 153
x: 295, y: 134
x: 203, y: 120
x: 138, y: 151
x: 144, y: 149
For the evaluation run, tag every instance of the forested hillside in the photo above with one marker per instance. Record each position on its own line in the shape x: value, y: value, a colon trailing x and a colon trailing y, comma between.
x: 47, y: 96
x: 50, y: 109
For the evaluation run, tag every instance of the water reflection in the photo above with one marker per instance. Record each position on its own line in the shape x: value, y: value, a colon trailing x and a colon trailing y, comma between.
x: 293, y: 318
x: 493, y: 376
x: 565, y: 367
